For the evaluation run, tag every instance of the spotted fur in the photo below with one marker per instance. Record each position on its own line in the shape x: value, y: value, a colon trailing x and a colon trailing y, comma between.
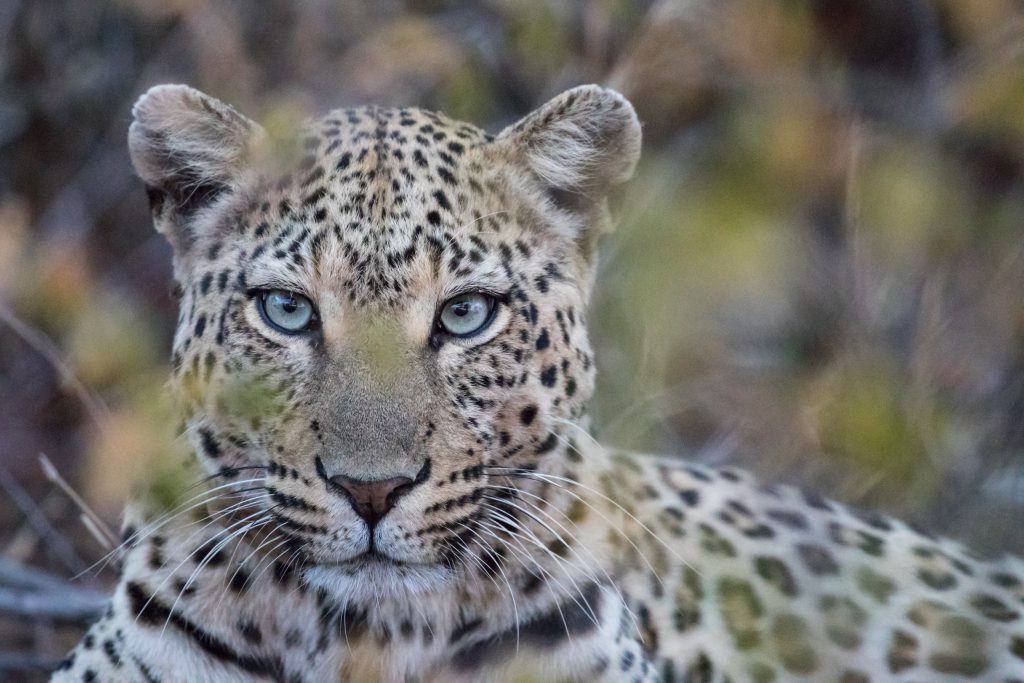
x: 517, y: 547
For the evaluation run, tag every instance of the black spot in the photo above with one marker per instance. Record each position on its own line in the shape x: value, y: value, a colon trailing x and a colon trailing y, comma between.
x: 817, y: 559
x: 406, y: 629
x: 1017, y: 647
x: 760, y: 531
x: 816, y: 501
x: 873, y: 519
x: 110, y: 650
x: 871, y: 544
x: 698, y: 474
x: 239, y: 581
x: 315, y: 196
x: 789, y: 518
x: 543, y: 340
x: 211, y: 553
x: 548, y: 444
x: 250, y: 632
x: 902, y: 652
x: 442, y: 200
x: 700, y: 670
x: 1005, y: 580
x: 549, y: 375
x: 993, y: 608
x: 210, y: 445
x: 690, y: 496
x: 434, y: 218
x: 527, y: 414
x: 200, y: 326
x: 775, y: 572
x: 936, y: 580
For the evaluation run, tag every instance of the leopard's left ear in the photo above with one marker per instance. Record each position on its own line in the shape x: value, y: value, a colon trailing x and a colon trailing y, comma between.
x: 189, y: 149
x: 578, y: 145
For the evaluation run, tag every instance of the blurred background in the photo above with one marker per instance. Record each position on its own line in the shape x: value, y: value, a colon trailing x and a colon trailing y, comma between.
x: 818, y: 272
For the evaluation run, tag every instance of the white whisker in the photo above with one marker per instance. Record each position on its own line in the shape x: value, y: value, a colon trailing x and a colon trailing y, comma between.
x: 561, y: 562
x: 545, y: 574
x: 206, y: 560
x: 561, y: 481
x: 590, y: 555
x: 497, y: 562
x: 157, y: 524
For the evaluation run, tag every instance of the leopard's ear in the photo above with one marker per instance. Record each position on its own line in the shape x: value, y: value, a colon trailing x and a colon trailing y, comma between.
x: 189, y: 149
x: 578, y: 145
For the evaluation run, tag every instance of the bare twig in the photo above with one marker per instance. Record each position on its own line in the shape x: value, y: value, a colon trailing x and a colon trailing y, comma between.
x: 55, y: 541
x: 102, y: 534
x: 95, y: 525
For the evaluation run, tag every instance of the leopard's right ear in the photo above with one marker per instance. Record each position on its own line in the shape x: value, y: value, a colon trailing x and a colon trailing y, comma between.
x: 189, y: 149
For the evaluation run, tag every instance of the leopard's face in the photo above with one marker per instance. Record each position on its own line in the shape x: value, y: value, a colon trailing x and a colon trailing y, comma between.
x: 371, y: 334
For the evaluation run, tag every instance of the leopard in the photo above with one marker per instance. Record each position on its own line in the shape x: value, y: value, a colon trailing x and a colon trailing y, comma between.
x: 383, y: 372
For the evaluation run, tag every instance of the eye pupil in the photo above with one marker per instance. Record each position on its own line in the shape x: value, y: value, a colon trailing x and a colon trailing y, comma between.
x: 461, y: 309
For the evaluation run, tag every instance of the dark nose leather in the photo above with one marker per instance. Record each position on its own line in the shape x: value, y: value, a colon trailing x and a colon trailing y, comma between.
x: 372, y: 499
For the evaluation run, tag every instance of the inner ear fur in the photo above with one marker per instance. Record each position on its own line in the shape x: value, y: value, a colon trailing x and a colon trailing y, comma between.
x: 189, y: 149
x: 578, y: 145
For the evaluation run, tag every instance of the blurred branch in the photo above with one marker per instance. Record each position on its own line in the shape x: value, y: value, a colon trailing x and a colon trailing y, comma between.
x: 93, y: 523
x: 30, y: 592
x: 43, y: 345
x: 55, y: 542
x: 19, y: 661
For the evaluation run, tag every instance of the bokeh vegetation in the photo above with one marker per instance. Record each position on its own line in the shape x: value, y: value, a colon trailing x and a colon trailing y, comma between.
x: 818, y: 272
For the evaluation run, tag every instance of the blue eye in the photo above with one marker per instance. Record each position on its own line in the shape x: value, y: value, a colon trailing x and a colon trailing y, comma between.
x: 288, y: 312
x: 466, y: 314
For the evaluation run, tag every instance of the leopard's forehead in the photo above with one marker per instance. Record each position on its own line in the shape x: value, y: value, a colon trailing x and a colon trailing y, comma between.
x: 382, y: 200
x: 390, y: 129
x: 382, y: 164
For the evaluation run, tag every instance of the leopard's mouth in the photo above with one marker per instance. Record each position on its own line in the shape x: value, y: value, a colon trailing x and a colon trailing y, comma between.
x: 375, y: 558
x: 370, y: 560
x: 373, y: 575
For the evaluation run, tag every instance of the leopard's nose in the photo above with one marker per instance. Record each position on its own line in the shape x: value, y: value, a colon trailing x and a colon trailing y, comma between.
x: 372, y: 499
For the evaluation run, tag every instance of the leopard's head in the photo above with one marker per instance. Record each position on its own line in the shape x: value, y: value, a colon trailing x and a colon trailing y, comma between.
x: 381, y: 313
